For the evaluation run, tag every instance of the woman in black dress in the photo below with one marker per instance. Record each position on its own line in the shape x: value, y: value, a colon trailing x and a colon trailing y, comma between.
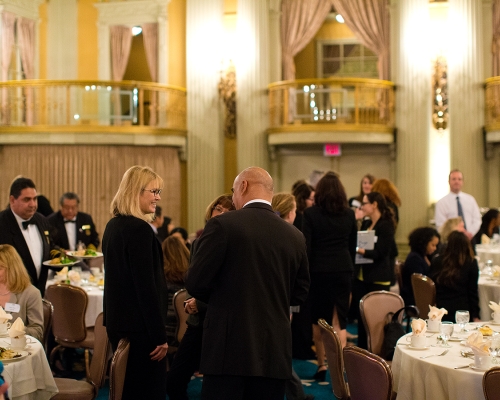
x: 135, y: 291
x: 489, y: 226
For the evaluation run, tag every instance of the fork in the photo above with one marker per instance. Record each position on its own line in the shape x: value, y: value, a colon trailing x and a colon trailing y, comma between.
x: 437, y: 355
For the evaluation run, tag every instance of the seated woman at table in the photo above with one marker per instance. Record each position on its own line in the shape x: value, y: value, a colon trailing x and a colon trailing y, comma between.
x: 455, y: 274
x: 16, y: 289
x: 423, y: 243
x: 489, y: 226
x: 175, y: 265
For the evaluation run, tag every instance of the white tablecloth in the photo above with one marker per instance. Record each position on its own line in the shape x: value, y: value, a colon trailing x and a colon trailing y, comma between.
x: 29, y: 378
x: 434, y: 377
x: 488, y: 252
x: 488, y: 290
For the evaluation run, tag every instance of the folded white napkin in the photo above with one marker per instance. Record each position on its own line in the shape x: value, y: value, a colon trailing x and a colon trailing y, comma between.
x: 496, y: 270
x: 74, y: 276
x: 485, y: 239
x: 478, y: 345
x: 435, y: 314
x: 494, y: 306
x: 418, y: 327
x: 17, y: 328
x: 4, y: 317
x: 62, y: 274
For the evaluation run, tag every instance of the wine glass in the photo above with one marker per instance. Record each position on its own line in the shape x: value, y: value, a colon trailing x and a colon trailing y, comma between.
x: 446, y: 332
x: 462, y: 317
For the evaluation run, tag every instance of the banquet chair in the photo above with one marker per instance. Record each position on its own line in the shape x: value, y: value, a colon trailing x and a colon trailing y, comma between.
x: 48, y: 310
x: 333, y: 349
x: 68, y: 321
x: 374, y: 308
x: 369, y: 376
x: 491, y: 384
x: 424, y: 291
x: 72, y: 389
x: 118, y: 369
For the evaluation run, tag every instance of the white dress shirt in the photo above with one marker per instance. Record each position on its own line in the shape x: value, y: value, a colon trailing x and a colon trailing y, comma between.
x: 447, y: 208
x: 71, y: 233
x: 33, y: 239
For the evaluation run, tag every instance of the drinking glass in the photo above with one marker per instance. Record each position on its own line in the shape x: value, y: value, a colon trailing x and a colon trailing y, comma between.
x: 495, y: 348
x: 85, y: 275
x: 446, y: 332
x: 462, y: 317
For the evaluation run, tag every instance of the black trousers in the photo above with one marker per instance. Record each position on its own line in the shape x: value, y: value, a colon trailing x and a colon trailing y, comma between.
x: 229, y: 387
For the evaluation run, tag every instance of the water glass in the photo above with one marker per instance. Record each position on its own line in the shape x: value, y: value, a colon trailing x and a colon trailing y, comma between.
x: 446, y: 332
x: 85, y: 275
x: 462, y: 318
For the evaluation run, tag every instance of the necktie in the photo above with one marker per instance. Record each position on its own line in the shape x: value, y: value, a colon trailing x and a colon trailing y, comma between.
x: 26, y: 223
x: 461, y: 211
x: 67, y: 221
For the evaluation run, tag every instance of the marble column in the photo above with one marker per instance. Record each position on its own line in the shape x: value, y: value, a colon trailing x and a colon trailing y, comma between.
x: 205, y: 158
x: 253, y: 76
x: 411, y: 72
x: 466, y: 80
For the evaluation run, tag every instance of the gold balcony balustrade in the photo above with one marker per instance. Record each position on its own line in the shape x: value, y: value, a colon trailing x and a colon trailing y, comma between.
x: 92, y: 106
x: 331, y: 105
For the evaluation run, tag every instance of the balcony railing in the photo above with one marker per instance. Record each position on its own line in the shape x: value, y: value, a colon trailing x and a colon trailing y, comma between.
x: 334, y: 104
x: 125, y: 106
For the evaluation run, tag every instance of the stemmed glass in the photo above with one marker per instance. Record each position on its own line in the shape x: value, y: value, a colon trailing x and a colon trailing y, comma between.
x: 446, y: 332
x: 462, y: 317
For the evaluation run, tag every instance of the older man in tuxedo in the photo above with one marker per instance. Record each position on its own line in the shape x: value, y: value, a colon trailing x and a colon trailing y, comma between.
x: 26, y: 230
x: 249, y: 266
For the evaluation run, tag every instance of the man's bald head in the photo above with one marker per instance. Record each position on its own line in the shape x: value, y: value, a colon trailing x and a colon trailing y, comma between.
x: 252, y: 183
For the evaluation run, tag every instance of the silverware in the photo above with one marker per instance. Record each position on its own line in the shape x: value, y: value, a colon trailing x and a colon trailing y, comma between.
x: 437, y: 355
x: 463, y: 366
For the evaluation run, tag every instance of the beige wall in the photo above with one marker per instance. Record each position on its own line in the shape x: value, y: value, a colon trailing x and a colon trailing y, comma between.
x: 87, y: 39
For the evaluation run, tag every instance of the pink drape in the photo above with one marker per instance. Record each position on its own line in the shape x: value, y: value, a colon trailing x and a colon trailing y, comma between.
x: 495, y: 48
x: 7, y: 33
x: 26, y: 35
x: 121, y: 42
x: 369, y: 20
x: 150, y: 37
x: 300, y: 20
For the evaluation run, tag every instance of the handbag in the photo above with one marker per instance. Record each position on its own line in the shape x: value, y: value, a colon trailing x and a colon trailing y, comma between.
x: 393, y: 330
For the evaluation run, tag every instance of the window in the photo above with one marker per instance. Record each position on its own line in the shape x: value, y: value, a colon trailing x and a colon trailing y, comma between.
x: 342, y: 58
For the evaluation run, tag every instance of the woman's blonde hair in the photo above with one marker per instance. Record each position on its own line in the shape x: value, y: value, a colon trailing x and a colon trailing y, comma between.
x: 175, y: 259
x: 449, y: 226
x: 17, y: 276
x: 134, y: 181
x: 283, y: 204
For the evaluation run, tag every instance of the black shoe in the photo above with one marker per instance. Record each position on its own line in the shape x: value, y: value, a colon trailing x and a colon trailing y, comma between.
x: 320, y: 375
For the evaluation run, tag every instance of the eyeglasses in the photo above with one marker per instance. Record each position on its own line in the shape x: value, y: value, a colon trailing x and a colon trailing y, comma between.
x: 220, y: 209
x: 156, y: 192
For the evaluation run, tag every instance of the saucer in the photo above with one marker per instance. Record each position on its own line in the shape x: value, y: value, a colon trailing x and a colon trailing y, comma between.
x: 418, y: 348
x: 473, y: 366
x: 493, y: 323
x: 5, y: 334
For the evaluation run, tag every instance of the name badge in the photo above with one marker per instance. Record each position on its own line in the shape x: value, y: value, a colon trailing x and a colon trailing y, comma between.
x: 12, y: 307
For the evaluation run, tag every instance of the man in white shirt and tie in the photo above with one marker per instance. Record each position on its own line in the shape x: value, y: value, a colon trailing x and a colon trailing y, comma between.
x: 26, y: 230
x: 458, y: 204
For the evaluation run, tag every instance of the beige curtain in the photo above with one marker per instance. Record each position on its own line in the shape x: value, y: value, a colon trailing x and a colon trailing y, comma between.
x: 7, y: 33
x: 369, y: 20
x: 26, y: 35
x: 300, y: 20
x: 93, y: 172
x: 150, y: 37
x: 121, y: 43
x: 495, y: 48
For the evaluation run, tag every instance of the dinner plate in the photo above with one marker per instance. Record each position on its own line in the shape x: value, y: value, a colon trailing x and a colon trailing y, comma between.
x: 473, y: 366
x: 455, y: 339
x: 419, y: 348
x: 23, y: 354
x: 72, y: 254
x: 48, y: 264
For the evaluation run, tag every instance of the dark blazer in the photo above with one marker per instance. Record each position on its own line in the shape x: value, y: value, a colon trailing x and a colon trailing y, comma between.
x: 414, y: 264
x: 463, y: 296
x: 10, y: 233
x: 249, y: 267
x: 380, y: 270
x: 135, y: 290
x: 85, y: 230
x: 331, y: 239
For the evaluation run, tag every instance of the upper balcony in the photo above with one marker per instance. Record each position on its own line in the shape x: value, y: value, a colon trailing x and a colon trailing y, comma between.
x: 96, y: 112
x: 340, y: 110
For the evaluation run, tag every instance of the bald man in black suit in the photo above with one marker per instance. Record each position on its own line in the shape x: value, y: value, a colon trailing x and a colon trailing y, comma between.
x: 249, y: 267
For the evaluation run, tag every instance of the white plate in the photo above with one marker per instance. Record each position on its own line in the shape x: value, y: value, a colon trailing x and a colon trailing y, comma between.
x: 464, y: 343
x: 72, y: 254
x: 456, y: 339
x: 23, y: 354
x: 472, y: 366
x: 493, y: 323
x: 48, y: 264
x: 419, y: 348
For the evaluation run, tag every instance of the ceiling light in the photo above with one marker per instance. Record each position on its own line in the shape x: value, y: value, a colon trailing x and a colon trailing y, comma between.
x: 339, y: 19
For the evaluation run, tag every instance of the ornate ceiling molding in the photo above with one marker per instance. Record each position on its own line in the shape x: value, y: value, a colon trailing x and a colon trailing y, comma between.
x: 132, y: 12
x: 22, y: 8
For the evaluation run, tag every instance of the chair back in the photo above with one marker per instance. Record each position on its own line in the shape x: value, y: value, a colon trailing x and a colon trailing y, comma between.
x: 333, y: 349
x: 70, y: 305
x: 398, y: 272
x: 118, y: 370
x: 369, y: 375
x: 424, y: 291
x: 48, y: 310
x: 374, y: 308
x: 491, y: 384
x: 102, y: 350
x: 180, y: 314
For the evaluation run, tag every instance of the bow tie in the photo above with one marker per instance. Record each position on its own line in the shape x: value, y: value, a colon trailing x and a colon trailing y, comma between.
x: 27, y: 223
x: 67, y: 221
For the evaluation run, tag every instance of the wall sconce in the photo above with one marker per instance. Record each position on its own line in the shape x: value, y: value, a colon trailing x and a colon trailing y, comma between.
x: 440, y: 94
x: 227, y: 93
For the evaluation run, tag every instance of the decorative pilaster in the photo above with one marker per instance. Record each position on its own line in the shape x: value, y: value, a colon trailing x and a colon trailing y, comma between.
x: 205, y: 162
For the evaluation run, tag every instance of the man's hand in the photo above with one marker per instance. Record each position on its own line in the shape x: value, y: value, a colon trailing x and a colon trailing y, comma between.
x: 190, y: 306
x: 159, y: 353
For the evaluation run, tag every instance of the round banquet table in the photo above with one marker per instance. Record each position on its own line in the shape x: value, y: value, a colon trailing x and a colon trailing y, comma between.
x: 95, y: 304
x: 487, y: 252
x: 29, y: 378
x: 435, y: 377
x: 489, y: 289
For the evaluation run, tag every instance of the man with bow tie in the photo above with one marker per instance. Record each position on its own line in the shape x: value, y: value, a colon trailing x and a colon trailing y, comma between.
x: 72, y: 226
x: 26, y: 230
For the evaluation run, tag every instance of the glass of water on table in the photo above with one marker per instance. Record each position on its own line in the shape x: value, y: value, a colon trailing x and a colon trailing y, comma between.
x: 462, y: 318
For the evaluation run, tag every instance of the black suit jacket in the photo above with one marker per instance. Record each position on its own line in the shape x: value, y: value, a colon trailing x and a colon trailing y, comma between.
x: 85, y: 230
x: 249, y: 267
x: 10, y: 233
